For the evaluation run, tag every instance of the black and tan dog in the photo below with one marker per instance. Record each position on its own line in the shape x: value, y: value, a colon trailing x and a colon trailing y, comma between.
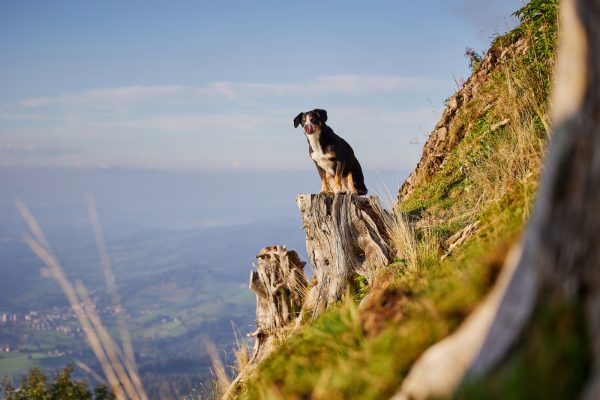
x: 338, y: 167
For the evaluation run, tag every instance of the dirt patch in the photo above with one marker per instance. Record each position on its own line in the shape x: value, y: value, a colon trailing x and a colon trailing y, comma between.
x: 381, y: 308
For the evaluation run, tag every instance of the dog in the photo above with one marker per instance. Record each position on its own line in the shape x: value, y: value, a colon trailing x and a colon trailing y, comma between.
x: 338, y: 167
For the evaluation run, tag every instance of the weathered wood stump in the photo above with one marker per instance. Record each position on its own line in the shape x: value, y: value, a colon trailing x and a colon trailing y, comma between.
x: 280, y: 287
x: 346, y: 235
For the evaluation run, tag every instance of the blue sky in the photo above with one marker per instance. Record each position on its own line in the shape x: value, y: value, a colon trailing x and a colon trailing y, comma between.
x: 198, y: 85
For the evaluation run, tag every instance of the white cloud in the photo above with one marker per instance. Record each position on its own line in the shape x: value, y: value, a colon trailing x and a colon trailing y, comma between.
x: 326, y: 85
x: 374, y: 117
x: 131, y: 96
x: 186, y: 123
x: 218, y: 125
x: 114, y: 96
x: 10, y: 147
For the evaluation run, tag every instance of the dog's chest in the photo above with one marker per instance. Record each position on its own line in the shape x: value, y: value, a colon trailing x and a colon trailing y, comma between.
x: 324, y: 160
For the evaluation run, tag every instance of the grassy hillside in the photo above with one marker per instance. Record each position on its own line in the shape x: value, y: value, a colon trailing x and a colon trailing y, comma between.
x: 466, y: 202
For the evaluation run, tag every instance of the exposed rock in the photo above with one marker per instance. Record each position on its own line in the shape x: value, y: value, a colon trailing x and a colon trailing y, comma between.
x: 346, y: 235
x: 382, y: 306
x: 441, y: 134
x: 450, y: 129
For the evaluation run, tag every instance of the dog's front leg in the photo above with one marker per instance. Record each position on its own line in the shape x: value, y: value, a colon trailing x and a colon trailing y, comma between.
x: 337, y: 182
x: 324, y: 184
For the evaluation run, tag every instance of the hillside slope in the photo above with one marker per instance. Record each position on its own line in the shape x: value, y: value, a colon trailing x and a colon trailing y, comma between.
x: 456, y: 215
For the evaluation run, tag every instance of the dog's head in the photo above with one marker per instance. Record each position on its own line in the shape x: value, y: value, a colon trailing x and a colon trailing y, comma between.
x: 311, y: 121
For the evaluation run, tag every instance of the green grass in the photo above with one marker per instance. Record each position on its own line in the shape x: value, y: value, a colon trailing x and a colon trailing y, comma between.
x: 191, y: 309
x: 341, y: 356
x: 13, y: 364
x: 552, y: 362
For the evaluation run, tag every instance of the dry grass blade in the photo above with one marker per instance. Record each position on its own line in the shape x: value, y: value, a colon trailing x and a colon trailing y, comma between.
x: 107, y: 341
x: 58, y: 275
x: 35, y: 228
x: 40, y: 246
x: 404, y: 240
x: 85, y: 368
x: 222, y: 381
x: 242, y: 352
x: 115, y: 298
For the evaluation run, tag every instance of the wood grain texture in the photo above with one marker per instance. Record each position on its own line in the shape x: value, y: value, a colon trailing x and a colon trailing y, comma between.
x: 346, y: 235
x: 280, y: 287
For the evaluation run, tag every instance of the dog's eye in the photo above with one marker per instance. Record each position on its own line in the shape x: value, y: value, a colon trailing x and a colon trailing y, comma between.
x: 314, y: 120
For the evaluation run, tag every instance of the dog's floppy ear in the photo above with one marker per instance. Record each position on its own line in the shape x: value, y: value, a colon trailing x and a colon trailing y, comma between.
x: 298, y: 119
x: 322, y: 114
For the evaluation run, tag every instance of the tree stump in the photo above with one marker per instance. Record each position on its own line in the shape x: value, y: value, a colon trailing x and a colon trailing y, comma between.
x: 346, y: 235
x: 280, y: 287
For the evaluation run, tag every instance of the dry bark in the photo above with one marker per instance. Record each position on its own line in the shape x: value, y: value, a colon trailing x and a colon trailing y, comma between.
x: 346, y: 235
x: 280, y: 286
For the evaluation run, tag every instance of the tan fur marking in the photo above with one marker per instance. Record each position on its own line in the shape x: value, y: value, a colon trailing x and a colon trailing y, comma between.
x: 338, y: 183
x: 350, y: 180
x: 324, y: 186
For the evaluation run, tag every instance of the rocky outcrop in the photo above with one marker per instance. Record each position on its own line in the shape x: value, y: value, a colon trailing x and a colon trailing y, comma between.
x: 451, y: 128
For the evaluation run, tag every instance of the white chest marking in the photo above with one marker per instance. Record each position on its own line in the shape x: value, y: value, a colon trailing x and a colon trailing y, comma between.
x: 323, y: 160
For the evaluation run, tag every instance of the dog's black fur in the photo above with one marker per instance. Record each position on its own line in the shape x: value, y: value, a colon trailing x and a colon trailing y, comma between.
x: 338, y: 167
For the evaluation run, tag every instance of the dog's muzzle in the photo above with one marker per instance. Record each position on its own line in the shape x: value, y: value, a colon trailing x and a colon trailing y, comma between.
x: 310, y: 129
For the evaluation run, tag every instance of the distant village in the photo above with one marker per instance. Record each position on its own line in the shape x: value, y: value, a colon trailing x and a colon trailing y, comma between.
x: 57, y: 319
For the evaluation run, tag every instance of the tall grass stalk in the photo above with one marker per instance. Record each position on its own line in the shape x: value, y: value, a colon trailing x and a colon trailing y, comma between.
x: 86, y: 368
x: 116, y: 369
x: 114, y: 294
x: 221, y: 381
x: 115, y: 356
x: 404, y: 240
x: 241, y: 352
